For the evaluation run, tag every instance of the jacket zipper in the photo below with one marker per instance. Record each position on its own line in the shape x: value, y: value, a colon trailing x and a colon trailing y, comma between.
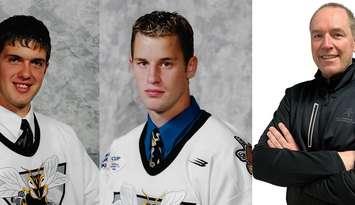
x: 311, y: 124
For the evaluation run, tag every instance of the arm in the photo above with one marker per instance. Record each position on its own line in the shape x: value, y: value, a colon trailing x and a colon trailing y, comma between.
x: 83, y: 172
x: 225, y: 178
x: 231, y: 181
x: 91, y: 192
x: 285, y: 167
x: 338, y: 188
x: 87, y: 171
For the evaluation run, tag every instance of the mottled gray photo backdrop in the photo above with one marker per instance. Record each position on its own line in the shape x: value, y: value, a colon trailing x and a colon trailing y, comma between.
x: 70, y: 90
x: 222, y: 85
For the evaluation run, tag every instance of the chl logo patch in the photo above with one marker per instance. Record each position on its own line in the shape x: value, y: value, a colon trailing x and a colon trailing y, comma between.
x: 42, y: 186
x: 245, y: 154
x: 112, y: 162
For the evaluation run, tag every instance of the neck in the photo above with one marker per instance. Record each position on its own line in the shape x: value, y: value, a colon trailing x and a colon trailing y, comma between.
x: 22, y: 112
x: 160, y: 118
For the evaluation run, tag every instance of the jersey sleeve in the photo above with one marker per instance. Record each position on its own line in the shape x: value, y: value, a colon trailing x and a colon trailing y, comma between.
x: 106, y: 196
x: 230, y: 179
x: 91, y: 193
x: 284, y: 167
x: 106, y: 193
x: 85, y: 167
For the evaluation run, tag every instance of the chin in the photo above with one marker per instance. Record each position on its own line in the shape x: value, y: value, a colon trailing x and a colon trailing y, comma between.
x: 154, y: 108
x: 21, y: 105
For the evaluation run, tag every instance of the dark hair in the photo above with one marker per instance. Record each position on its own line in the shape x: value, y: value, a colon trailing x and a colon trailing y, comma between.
x: 162, y: 23
x: 25, y: 29
x: 337, y: 5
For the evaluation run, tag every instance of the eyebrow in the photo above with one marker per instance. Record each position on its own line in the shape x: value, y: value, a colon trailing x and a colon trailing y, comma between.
x: 18, y: 56
x: 38, y: 59
x: 161, y: 59
x: 139, y: 59
x: 332, y: 30
x: 12, y: 55
x: 167, y: 59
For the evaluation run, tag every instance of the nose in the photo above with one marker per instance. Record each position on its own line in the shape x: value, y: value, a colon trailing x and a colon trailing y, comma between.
x: 153, y: 75
x: 25, y: 71
x: 327, y: 42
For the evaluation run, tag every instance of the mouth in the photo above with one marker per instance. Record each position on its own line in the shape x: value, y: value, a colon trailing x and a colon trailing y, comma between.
x: 22, y: 87
x: 154, y: 92
x: 328, y: 57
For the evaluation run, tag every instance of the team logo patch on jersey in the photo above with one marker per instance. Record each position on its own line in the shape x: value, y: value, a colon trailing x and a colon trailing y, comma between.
x: 114, y: 162
x: 42, y: 186
x: 199, y: 162
x: 245, y: 154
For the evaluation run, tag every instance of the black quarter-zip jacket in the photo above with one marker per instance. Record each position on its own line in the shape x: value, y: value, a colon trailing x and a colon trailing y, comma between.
x: 320, y: 115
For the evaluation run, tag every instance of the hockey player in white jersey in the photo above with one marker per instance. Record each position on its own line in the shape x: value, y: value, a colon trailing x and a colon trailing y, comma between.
x: 182, y: 154
x: 42, y: 161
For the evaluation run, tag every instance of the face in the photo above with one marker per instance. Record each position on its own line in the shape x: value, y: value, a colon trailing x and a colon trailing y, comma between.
x: 22, y: 71
x: 161, y: 74
x: 332, y: 41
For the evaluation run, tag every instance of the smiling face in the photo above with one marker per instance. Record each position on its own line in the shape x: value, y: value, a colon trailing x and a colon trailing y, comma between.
x: 22, y: 71
x: 332, y: 41
x: 162, y: 76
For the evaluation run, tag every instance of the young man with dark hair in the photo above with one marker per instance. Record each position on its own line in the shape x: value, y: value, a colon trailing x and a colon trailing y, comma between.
x: 309, y: 146
x: 182, y: 154
x: 42, y: 161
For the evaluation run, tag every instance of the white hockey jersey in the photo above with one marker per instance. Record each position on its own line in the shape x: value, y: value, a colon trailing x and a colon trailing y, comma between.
x: 207, y: 167
x: 60, y: 172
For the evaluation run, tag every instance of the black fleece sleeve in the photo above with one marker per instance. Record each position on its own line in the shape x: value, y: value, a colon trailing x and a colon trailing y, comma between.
x: 337, y: 189
x: 284, y: 167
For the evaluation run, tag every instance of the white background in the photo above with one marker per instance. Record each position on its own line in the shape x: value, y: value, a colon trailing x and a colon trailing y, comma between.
x: 281, y: 58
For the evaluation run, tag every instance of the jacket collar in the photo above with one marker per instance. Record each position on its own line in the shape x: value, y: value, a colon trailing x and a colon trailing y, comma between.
x: 338, y: 81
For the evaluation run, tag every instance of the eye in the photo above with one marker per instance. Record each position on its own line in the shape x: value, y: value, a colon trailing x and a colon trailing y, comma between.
x: 338, y: 35
x: 14, y: 59
x: 317, y: 36
x: 38, y: 63
x: 142, y: 64
x: 167, y: 65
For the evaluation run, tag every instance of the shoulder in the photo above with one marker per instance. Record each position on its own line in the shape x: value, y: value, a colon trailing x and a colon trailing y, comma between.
x: 221, y: 139
x: 220, y: 132
x: 46, y: 122
x: 128, y: 138
x: 226, y: 144
x: 125, y: 143
x: 57, y: 130
x: 300, y: 87
x: 121, y: 149
x: 225, y: 150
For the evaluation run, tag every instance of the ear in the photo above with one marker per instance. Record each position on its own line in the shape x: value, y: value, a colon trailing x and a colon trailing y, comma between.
x: 191, y: 67
x: 130, y: 63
